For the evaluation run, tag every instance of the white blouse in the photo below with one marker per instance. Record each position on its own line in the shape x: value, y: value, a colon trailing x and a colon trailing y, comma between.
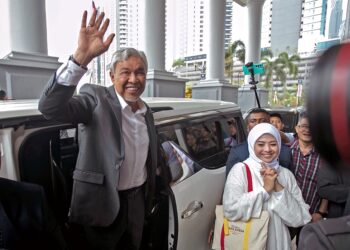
x: 286, y: 208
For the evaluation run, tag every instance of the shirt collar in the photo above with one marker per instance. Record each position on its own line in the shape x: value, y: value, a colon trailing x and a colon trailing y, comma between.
x: 296, y: 146
x: 142, y: 107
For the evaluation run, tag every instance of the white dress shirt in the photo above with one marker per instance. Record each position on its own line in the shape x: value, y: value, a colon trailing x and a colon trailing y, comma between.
x: 133, y: 172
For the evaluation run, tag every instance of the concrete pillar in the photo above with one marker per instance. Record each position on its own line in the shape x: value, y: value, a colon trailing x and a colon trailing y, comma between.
x: 216, y: 51
x: 159, y: 83
x: 28, y: 26
x: 254, y: 30
x: 26, y: 69
x: 246, y: 98
x: 215, y: 86
x: 155, y: 33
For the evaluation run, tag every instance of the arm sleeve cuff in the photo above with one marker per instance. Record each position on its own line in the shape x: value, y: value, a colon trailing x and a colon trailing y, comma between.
x: 266, y: 195
x: 69, y: 74
x: 279, y: 194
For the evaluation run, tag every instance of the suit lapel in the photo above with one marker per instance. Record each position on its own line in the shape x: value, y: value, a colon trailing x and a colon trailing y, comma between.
x: 114, y: 102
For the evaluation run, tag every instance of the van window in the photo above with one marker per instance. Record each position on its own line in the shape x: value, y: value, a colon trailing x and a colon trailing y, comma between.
x: 205, y: 144
x: 201, y: 140
x: 167, y: 134
x: 180, y: 165
x: 233, y: 132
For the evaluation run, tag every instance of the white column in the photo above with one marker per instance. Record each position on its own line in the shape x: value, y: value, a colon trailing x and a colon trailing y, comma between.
x: 216, y: 51
x: 28, y: 26
x: 155, y: 34
x: 254, y: 30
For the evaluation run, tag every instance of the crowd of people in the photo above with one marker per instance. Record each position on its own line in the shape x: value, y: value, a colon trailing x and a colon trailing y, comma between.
x: 285, y: 177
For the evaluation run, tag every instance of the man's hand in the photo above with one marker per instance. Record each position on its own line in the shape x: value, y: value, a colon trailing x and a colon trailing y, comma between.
x: 284, y: 138
x: 316, y: 217
x: 90, y: 43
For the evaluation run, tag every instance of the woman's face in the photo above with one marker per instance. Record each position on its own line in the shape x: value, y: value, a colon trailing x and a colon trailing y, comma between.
x: 266, y: 148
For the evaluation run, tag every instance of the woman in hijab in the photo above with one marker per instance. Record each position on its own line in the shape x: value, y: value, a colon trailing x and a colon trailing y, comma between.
x: 274, y: 189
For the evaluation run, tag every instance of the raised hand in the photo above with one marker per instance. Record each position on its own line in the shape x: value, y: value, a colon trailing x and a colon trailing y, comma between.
x: 90, y: 43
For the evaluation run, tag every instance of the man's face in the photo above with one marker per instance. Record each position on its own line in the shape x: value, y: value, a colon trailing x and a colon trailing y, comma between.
x: 255, y: 119
x: 303, y: 130
x: 129, y: 78
x: 276, y: 121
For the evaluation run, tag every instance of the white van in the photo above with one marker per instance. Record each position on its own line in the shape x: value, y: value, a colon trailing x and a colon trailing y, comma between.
x: 193, y: 131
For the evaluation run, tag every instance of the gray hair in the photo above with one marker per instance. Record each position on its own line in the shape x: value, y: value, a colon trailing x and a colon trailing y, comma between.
x: 303, y: 115
x: 124, y: 54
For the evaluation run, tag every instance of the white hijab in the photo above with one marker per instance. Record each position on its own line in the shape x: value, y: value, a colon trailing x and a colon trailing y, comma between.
x: 254, y: 134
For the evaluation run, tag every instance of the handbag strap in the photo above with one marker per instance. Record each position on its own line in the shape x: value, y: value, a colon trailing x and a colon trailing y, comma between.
x: 249, y: 178
x: 225, y: 224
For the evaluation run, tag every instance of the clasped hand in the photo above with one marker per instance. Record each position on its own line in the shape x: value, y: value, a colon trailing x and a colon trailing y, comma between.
x: 270, y: 179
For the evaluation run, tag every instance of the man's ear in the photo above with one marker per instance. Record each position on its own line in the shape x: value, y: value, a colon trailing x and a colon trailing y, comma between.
x: 111, y: 75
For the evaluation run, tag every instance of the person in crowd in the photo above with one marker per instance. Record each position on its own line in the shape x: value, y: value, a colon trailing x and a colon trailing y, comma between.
x: 231, y: 140
x: 207, y: 140
x: 328, y: 104
x: 306, y: 164
x: 334, y: 186
x: 240, y: 152
x: 114, y: 178
x: 26, y: 222
x: 276, y: 120
x: 274, y: 189
x: 3, y: 95
x: 191, y: 142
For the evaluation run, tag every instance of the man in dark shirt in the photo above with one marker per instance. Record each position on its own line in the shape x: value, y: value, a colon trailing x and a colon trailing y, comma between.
x: 240, y: 152
x: 334, y: 186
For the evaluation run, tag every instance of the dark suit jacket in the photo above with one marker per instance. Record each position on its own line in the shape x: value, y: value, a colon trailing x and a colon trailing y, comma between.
x: 240, y: 152
x: 326, y: 234
x: 25, y: 220
x: 95, y: 200
x: 334, y: 186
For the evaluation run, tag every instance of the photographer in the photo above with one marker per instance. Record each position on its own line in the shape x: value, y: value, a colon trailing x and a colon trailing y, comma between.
x: 328, y: 105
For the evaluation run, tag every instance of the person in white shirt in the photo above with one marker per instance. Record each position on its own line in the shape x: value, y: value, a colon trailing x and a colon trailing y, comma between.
x: 114, y: 177
x: 274, y: 189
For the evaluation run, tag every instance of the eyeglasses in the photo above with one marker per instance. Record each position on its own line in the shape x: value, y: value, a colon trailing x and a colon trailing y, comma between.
x: 304, y: 127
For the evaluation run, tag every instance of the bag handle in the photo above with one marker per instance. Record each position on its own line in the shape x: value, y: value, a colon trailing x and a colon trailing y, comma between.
x: 225, y: 230
x: 249, y: 178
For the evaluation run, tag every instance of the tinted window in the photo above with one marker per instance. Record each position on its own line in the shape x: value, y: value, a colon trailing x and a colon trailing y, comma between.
x: 203, y: 139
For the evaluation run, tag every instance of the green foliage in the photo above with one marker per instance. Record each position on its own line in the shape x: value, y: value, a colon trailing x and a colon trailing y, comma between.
x: 278, y: 69
x: 235, y: 50
x: 178, y: 62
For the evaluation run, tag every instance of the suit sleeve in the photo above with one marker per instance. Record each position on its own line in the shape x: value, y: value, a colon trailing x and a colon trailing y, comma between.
x: 238, y: 153
x: 329, y: 186
x: 237, y: 202
x: 58, y: 103
x: 290, y: 205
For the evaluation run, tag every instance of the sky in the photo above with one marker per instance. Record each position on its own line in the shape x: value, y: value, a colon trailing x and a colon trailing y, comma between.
x: 63, y: 23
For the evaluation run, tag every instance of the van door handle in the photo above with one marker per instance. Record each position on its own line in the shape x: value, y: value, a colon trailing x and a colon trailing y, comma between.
x: 192, y: 208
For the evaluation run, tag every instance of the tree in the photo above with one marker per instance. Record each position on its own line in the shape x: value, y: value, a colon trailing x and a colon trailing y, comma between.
x: 279, y: 68
x: 289, y: 67
x: 178, y: 63
x: 236, y: 49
